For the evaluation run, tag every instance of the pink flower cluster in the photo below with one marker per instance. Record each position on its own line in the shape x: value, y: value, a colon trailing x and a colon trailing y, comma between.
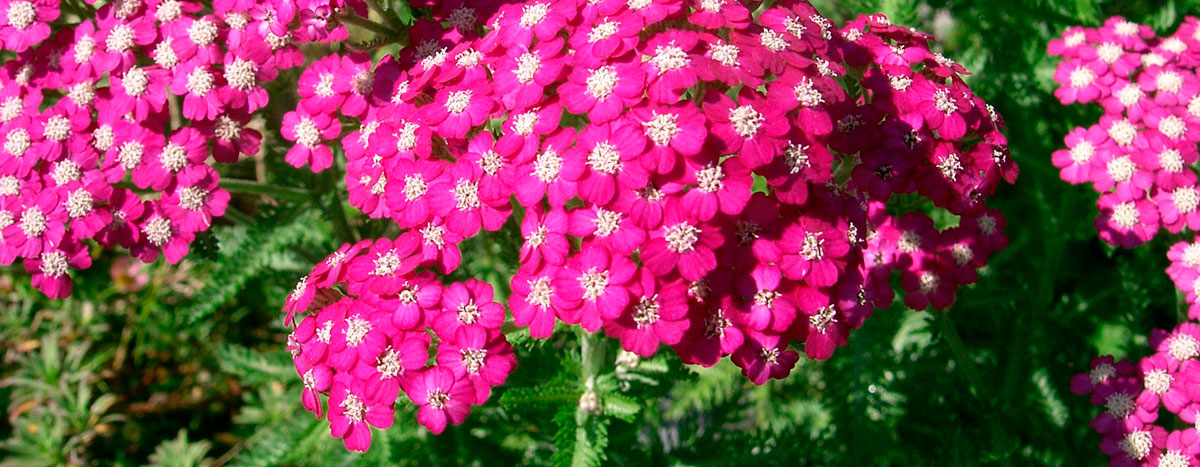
x: 369, y: 336
x: 110, y: 119
x: 683, y: 173
x: 1140, y: 156
x: 1133, y: 398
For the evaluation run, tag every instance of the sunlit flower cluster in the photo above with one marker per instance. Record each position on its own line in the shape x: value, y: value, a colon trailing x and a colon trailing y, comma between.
x: 683, y: 173
x: 1134, y: 396
x: 111, y: 119
x: 1140, y: 157
x: 377, y: 322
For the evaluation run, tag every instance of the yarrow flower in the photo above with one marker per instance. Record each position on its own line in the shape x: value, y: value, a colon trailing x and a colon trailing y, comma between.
x: 1139, y: 157
x: 146, y: 87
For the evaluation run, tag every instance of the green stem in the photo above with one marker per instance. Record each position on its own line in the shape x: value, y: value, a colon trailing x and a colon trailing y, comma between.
x: 387, y: 14
x: 974, y: 381
x: 345, y: 232
x: 592, y: 350
x: 275, y: 191
x: 367, y: 24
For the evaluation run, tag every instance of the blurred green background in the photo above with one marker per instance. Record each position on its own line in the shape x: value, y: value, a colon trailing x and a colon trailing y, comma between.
x: 190, y: 367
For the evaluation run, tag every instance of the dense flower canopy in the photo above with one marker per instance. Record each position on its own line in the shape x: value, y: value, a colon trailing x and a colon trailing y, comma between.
x: 1141, y: 158
x: 683, y: 173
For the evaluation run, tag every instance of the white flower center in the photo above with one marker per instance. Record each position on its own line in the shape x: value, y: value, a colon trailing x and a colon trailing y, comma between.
x: 772, y: 40
x: 1126, y: 28
x: 173, y: 157
x: 1082, y: 76
x: 1158, y: 381
x: 79, y: 203
x: 813, y: 247
x: 523, y: 123
x: 1125, y: 215
x: 414, y: 187
x: 491, y: 162
x: 604, y: 158
x: 356, y: 330
x: 823, y: 318
x: 388, y: 364
x: 192, y: 198
x: 1168, y: 81
x: 929, y: 282
x: 386, y: 264
x: 708, y: 179
x: 943, y: 102
x: 466, y: 194
x: 438, y: 398
x: 602, y: 31
x: 21, y: 14
x: 227, y: 129
x: 601, y: 82
x: 746, y: 120
x: 1101, y: 373
x: 157, y: 230
x: 1183, y: 346
x: 65, y: 171
x: 82, y: 94
x: 646, y: 311
x: 594, y: 283
x: 120, y: 38
x: 807, y: 94
x: 540, y: 291
x: 669, y: 58
x: 1121, y: 169
x: 84, y: 48
x: 432, y: 234
x: 406, y: 138
x: 528, y: 65
x: 472, y: 359
x: 202, y: 32
x: 1185, y: 199
x: 54, y: 264
x: 606, y: 222
x: 168, y: 10
x: 725, y: 54
x: 1137, y: 445
x: 16, y: 142
x: 33, y: 222
x: 950, y: 167
x: 682, y: 237
x: 1122, y: 132
x: 307, y: 134
x: 458, y: 101
x: 547, y: 166
x: 1109, y: 52
x: 1130, y: 94
x: 353, y: 409
x: 1172, y: 127
x: 531, y: 15
x: 242, y: 74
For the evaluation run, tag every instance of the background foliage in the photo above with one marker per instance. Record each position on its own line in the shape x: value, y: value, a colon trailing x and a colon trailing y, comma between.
x: 191, y: 369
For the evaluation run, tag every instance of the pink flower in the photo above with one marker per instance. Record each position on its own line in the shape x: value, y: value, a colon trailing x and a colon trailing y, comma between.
x: 671, y: 67
x: 458, y: 201
x: 1102, y: 370
x: 673, y: 131
x: 160, y: 232
x: 548, y: 175
x: 455, y: 110
x: 410, y: 205
x: 51, y: 267
x: 657, y: 314
x: 1126, y: 223
x: 441, y: 397
x: 39, y: 226
x: 467, y: 305
x: 811, y: 250
x: 750, y: 128
x: 352, y: 413
x: 765, y: 357
x: 523, y: 73
x: 603, y: 91
x: 478, y: 357
x: 1082, y: 81
x: 545, y: 238
x: 196, y: 199
x: 609, y: 153
x: 684, y: 244
x: 593, y: 287
x: 24, y: 22
x: 723, y: 186
x: 185, y: 150
x: 308, y: 131
x: 534, y: 301
x: 613, y: 230
x: 1083, y: 146
x: 198, y: 84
